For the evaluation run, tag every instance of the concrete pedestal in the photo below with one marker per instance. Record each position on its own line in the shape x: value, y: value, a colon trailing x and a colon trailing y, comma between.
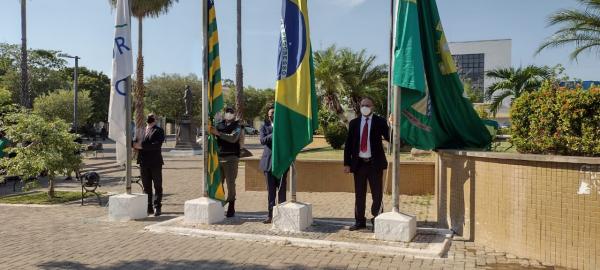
x: 125, y: 207
x: 292, y: 217
x: 203, y: 211
x: 186, y: 135
x: 392, y: 226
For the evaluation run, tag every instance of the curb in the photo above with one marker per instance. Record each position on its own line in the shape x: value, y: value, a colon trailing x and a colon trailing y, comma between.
x: 166, y: 227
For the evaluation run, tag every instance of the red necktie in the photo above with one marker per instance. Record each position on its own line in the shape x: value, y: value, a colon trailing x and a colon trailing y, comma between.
x: 365, y: 136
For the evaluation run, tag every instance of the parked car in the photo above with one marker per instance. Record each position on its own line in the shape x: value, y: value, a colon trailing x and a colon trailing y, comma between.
x: 250, y: 131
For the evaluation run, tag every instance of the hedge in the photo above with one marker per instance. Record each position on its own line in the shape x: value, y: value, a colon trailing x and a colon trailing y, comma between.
x: 557, y: 121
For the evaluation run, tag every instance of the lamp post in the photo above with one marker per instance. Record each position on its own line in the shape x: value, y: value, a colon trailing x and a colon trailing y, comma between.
x: 75, y: 86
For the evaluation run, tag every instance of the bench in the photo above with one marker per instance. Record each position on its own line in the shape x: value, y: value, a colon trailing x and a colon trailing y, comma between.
x: 90, y: 181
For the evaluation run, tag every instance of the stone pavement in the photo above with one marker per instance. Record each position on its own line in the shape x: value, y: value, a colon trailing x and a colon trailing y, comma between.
x: 75, y: 237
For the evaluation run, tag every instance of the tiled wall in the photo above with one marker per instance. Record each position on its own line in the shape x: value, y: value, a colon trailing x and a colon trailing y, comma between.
x: 525, y: 207
x: 417, y: 178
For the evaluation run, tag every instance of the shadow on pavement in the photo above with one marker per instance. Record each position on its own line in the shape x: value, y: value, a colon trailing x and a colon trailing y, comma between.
x: 176, y: 264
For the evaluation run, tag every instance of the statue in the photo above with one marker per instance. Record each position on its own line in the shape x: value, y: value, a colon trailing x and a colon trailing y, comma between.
x: 187, y: 97
x: 186, y: 135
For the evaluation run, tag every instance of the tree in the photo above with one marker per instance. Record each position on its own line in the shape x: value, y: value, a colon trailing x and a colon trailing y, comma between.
x: 328, y: 69
x: 511, y: 82
x: 256, y: 101
x: 46, y: 146
x: 142, y: 9
x: 44, y: 71
x: 98, y: 85
x: 59, y: 104
x: 239, y: 71
x: 361, y: 77
x: 165, y: 96
x: 578, y: 27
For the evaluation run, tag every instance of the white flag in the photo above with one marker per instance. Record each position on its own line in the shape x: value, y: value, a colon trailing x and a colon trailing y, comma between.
x: 121, y: 70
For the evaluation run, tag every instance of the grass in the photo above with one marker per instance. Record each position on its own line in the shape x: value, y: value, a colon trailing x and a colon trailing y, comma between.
x: 330, y: 153
x: 41, y: 197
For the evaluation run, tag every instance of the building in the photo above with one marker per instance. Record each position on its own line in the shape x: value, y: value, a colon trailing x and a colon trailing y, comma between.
x: 585, y: 85
x: 474, y: 58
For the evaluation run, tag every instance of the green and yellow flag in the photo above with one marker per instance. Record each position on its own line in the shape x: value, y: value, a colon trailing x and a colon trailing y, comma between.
x: 295, y: 96
x: 215, y: 104
x: 435, y: 110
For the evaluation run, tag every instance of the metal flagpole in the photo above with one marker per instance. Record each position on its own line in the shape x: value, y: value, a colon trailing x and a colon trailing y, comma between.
x: 293, y: 181
x: 128, y: 135
x: 396, y: 129
x: 389, y: 90
x: 205, y: 98
x: 128, y: 131
x: 76, y: 90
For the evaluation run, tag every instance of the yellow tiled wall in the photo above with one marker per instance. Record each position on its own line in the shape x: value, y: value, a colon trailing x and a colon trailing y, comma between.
x: 528, y: 208
x: 417, y: 178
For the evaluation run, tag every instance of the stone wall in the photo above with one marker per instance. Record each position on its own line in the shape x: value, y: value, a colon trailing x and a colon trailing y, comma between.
x: 417, y: 178
x: 533, y: 206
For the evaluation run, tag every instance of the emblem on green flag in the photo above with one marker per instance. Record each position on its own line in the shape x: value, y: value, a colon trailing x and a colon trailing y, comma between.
x: 435, y: 112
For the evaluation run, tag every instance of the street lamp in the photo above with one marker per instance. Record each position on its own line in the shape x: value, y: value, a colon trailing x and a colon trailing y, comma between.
x: 75, y: 86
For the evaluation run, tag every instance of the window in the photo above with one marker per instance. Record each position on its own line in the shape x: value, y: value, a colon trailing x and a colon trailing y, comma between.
x: 471, y: 70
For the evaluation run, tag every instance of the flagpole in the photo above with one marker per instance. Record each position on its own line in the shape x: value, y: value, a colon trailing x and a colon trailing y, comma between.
x: 396, y: 91
x: 391, y: 51
x: 292, y: 181
x: 205, y: 98
x: 128, y: 137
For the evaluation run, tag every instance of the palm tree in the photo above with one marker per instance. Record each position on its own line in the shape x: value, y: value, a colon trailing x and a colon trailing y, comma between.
x: 328, y: 70
x: 142, y: 9
x: 361, y: 77
x: 25, y: 97
x: 511, y: 82
x: 239, y: 75
x: 580, y: 27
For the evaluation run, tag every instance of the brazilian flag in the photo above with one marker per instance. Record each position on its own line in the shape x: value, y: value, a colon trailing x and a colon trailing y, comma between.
x: 434, y: 108
x: 215, y: 104
x: 295, y: 96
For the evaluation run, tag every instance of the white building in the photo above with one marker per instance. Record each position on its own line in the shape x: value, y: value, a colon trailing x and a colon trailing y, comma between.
x: 475, y: 58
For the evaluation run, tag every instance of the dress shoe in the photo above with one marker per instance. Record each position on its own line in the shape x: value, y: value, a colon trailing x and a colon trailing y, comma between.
x: 373, y: 223
x: 357, y: 227
x: 267, y: 221
x: 230, y: 209
x: 157, y: 212
x: 150, y: 211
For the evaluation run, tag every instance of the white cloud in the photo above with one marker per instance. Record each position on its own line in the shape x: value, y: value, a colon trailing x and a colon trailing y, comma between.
x: 349, y: 3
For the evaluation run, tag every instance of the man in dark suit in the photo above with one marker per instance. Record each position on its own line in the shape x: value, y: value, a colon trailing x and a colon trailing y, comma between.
x: 364, y: 156
x: 275, y: 187
x: 151, y: 162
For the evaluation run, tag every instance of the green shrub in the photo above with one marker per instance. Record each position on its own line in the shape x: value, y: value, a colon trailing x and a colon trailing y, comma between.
x: 335, y: 135
x: 557, y: 121
x: 59, y: 104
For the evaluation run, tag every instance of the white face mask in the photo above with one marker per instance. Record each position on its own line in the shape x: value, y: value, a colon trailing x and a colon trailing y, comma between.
x: 365, y: 111
x: 229, y: 116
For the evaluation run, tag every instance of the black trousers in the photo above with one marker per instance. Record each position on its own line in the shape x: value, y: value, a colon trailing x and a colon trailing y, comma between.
x: 150, y: 175
x: 366, y: 172
x: 275, y: 188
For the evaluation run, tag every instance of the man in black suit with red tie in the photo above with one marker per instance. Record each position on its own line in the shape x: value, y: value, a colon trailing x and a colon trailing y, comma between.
x: 364, y: 156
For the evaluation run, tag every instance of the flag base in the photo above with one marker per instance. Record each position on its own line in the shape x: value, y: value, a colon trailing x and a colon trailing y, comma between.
x: 126, y: 207
x: 203, y: 211
x: 398, y: 227
x: 292, y: 216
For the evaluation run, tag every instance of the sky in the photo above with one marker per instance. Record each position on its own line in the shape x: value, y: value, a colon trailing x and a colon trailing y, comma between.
x: 173, y: 42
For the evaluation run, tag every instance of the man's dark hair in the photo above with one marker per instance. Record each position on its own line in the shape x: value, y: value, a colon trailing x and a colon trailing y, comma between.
x: 229, y: 110
x: 368, y: 98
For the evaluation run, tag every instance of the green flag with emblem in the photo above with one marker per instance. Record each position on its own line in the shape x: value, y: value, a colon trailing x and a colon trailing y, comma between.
x: 435, y: 111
